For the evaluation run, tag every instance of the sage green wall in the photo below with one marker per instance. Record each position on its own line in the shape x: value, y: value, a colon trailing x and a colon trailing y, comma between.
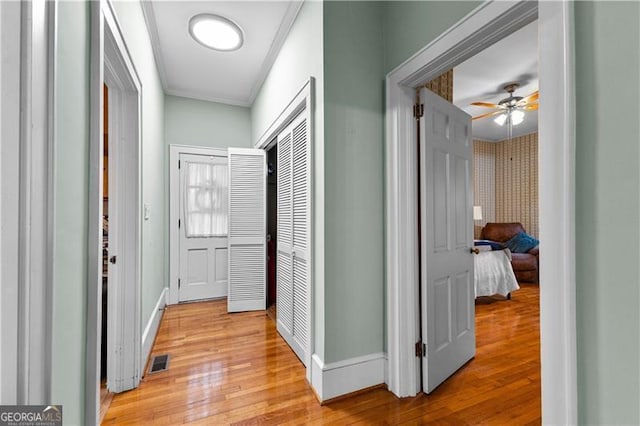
x: 607, y: 196
x: 299, y: 58
x: 202, y: 123
x: 155, y: 268
x: 411, y: 25
x: 354, y: 179
x: 71, y: 209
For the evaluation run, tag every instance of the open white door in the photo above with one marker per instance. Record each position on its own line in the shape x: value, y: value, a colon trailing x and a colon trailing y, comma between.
x: 247, y: 230
x: 448, y: 309
x: 293, y: 269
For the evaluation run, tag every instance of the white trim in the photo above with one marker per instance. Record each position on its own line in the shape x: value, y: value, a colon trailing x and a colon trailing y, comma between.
x: 346, y: 376
x: 302, y: 102
x: 110, y: 58
x: 26, y: 265
x: 35, y: 253
x: 198, y: 95
x: 557, y: 214
x: 151, y: 330
x: 293, y: 8
x: 173, y: 294
x: 152, y: 29
x: 488, y: 23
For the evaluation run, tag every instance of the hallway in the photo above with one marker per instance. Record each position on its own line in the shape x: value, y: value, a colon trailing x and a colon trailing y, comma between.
x: 235, y: 368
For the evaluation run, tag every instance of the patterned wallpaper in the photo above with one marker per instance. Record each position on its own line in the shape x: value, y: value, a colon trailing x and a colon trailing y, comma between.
x: 442, y: 85
x: 512, y: 194
x: 517, y: 182
x: 484, y: 182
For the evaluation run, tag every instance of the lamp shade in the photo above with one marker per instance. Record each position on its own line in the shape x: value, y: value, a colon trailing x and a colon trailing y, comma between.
x: 477, y: 213
x: 517, y: 116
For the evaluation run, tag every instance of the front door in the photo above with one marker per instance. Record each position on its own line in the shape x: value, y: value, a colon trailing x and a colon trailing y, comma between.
x: 448, y: 309
x: 203, y: 227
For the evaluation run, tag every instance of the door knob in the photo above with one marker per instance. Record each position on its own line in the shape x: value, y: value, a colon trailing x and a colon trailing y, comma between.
x: 474, y: 250
x: 112, y: 259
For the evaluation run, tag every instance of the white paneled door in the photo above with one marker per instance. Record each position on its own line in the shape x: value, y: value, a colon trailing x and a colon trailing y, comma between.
x: 448, y: 309
x: 203, y: 227
x: 293, y: 259
x: 247, y: 230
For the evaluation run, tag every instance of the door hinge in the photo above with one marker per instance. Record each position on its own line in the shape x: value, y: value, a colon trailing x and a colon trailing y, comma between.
x: 418, y: 111
x: 421, y: 349
x: 178, y: 163
x: 179, y: 283
x: 178, y: 223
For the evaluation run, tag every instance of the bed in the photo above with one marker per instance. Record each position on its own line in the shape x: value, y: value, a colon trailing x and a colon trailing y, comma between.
x: 494, y: 273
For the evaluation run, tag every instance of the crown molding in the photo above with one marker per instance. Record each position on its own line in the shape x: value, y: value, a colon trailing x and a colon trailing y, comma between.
x: 152, y: 30
x: 200, y: 96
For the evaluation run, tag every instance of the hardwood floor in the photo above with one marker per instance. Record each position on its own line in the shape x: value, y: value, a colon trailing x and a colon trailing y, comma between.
x: 235, y: 369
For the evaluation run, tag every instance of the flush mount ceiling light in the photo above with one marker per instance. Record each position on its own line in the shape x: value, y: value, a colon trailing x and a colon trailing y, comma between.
x: 215, y: 32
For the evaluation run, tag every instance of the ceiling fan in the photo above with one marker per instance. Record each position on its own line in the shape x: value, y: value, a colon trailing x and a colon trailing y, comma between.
x: 510, y: 109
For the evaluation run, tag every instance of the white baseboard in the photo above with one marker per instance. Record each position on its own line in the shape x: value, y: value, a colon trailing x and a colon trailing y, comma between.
x: 151, y: 329
x: 350, y: 375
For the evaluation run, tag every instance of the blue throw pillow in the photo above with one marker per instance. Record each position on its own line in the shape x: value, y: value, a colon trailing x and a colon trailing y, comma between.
x: 521, y: 243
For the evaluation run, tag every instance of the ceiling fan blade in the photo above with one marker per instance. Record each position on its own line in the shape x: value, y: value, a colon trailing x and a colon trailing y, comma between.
x: 486, y: 104
x: 530, y: 107
x: 489, y: 114
x: 528, y: 99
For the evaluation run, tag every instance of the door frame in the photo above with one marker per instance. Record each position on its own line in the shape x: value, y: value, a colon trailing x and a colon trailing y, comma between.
x: 110, y: 60
x: 302, y: 103
x: 174, y: 210
x: 27, y: 205
x: 488, y: 23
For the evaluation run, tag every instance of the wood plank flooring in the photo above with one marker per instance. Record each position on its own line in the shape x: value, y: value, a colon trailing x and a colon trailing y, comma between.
x: 235, y: 369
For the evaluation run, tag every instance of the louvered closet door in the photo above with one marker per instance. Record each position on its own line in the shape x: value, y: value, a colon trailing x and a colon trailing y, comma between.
x: 293, y: 283
x: 247, y: 230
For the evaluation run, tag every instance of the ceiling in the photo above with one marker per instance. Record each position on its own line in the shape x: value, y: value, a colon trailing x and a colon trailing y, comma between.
x: 191, y: 70
x: 482, y: 78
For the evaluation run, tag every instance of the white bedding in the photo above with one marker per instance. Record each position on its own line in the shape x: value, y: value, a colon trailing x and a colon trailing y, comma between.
x: 493, y: 273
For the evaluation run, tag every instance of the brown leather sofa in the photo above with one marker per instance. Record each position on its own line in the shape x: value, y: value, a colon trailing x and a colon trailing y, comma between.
x: 525, y: 265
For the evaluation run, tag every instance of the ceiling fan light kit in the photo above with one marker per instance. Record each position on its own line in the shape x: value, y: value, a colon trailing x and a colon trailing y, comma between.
x: 510, y: 109
x: 501, y: 119
x: 516, y: 116
x: 216, y: 32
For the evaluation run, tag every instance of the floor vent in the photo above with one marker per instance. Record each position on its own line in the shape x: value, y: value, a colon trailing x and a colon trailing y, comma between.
x: 159, y: 363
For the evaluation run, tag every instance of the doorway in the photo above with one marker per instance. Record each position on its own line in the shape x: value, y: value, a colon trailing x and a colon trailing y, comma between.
x: 198, y: 199
x: 484, y: 26
x: 288, y: 142
x: 112, y: 66
x: 105, y: 395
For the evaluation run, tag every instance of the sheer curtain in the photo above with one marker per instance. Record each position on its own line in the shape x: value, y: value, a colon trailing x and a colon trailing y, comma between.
x: 206, y: 187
